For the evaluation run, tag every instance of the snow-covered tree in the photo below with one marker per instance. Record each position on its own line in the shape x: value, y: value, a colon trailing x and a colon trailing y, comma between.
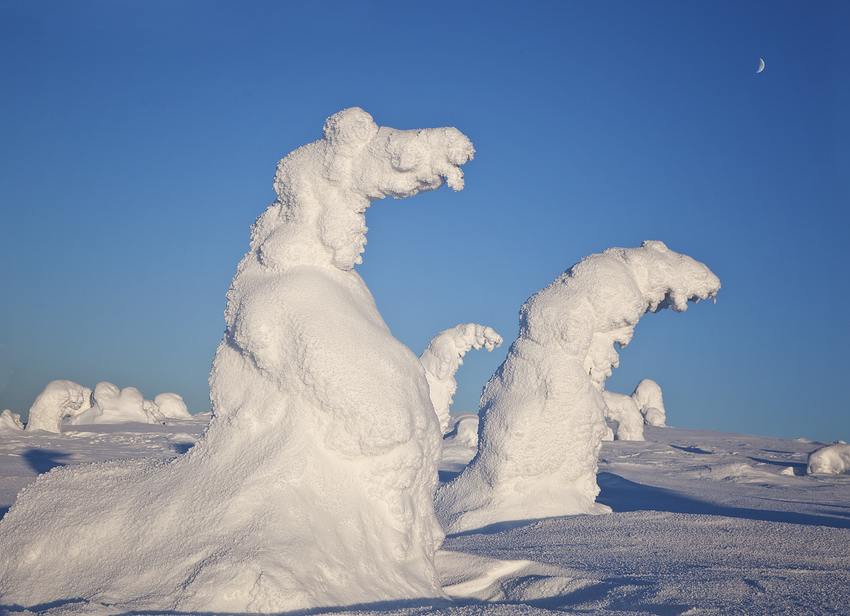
x: 542, y: 412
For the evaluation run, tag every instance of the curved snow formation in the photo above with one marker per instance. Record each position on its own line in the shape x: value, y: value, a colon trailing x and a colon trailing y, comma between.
x: 10, y: 422
x: 647, y: 396
x: 542, y: 412
x: 830, y: 460
x: 112, y: 405
x: 624, y: 411
x: 444, y: 356
x: 58, y: 400
x: 313, y: 484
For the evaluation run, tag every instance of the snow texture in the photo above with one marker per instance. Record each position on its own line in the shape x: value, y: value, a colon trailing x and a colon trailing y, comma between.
x: 542, y: 412
x: 59, y: 399
x: 624, y: 411
x: 647, y: 396
x: 830, y: 460
x: 313, y: 484
x: 444, y: 356
x: 113, y: 405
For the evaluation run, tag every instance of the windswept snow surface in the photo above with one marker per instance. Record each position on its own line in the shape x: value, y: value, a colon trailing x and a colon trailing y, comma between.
x: 703, y: 524
x: 542, y: 412
x: 313, y: 485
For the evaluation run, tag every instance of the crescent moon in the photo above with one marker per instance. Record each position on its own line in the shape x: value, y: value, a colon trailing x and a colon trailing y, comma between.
x: 761, y: 66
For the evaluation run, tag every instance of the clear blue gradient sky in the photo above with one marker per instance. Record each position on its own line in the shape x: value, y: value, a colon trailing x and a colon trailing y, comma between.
x: 139, y: 140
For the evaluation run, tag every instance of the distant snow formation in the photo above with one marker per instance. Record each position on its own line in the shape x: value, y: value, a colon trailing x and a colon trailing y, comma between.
x: 647, y: 396
x: 830, y: 460
x: 444, y: 356
x: 59, y: 399
x: 10, y: 422
x: 542, y: 412
x: 171, y: 406
x: 313, y: 484
x: 111, y: 405
x: 625, y: 412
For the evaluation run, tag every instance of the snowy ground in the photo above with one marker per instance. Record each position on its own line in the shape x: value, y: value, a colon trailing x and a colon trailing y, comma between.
x: 704, y: 523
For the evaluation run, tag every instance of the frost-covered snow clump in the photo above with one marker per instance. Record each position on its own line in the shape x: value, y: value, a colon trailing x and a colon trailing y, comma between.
x: 313, y: 484
x: 57, y: 401
x: 647, y: 396
x: 171, y: 406
x: 542, y: 412
x: 444, y: 356
x: 10, y: 422
x: 830, y: 460
x: 624, y: 411
x: 112, y: 405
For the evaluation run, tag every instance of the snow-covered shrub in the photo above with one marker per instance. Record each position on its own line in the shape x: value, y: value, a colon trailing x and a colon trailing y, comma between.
x: 112, y: 405
x: 542, y: 412
x: 313, y: 484
x: 830, y: 460
x: 624, y: 411
x: 172, y: 406
x: 465, y: 430
x: 10, y: 422
x: 59, y: 399
x: 647, y: 396
x: 444, y: 356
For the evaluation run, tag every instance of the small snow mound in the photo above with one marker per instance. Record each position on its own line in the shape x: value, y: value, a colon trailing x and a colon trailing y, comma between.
x: 830, y: 460
x: 465, y: 430
x: 172, y: 406
x: 10, y: 422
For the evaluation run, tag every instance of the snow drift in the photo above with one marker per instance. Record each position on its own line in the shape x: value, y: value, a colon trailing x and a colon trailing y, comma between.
x: 313, y: 484
x: 542, y: 412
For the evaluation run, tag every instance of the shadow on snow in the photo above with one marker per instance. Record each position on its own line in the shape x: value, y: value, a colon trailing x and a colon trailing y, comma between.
x: 623, y: 495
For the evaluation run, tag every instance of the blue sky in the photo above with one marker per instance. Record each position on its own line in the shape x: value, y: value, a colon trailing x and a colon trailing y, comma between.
x: 139, y: 139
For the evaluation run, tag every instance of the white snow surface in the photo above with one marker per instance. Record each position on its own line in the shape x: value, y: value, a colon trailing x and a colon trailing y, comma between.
x: 542, y: 412
x: 703, y: 524
x: 650, y: 402
x: 313, y: 484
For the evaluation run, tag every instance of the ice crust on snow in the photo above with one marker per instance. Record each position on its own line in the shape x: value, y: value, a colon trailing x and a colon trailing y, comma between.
x: 313, y: 484
x: 647, y: 396
x: 829, y: 460
x: 542, y: 412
